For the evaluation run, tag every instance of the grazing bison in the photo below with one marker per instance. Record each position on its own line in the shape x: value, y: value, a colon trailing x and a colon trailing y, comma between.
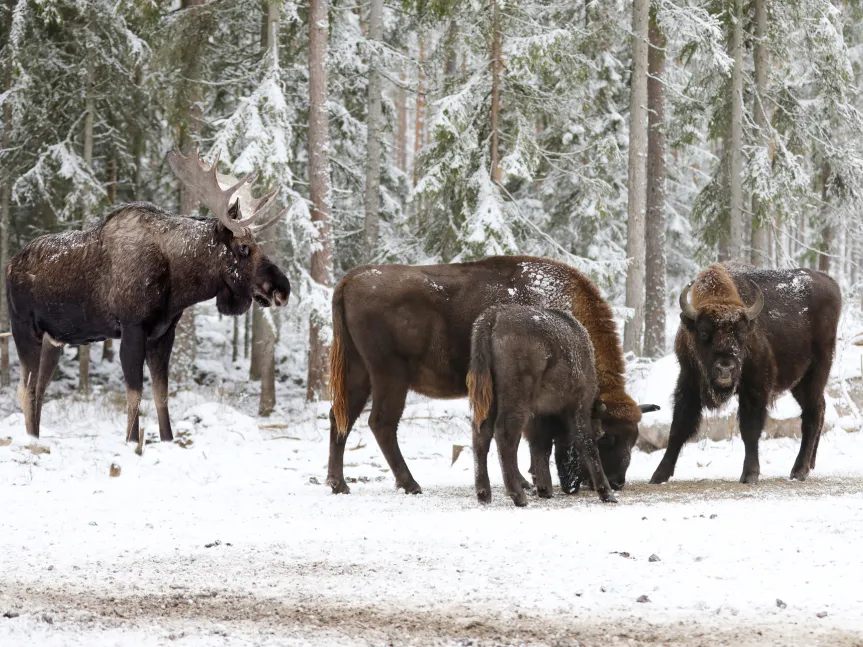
x: 783, y: 340
x: 398, y: 328
x: 130, y: 277
x: 527, y: 361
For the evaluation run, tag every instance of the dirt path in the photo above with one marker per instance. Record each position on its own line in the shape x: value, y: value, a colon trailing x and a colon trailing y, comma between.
x: 255, y: 620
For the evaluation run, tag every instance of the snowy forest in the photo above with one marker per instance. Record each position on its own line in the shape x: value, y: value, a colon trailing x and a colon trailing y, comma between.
x: 636, y: 141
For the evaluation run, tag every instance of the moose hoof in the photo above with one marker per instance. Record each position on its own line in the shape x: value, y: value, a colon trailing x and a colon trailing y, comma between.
x: 483, y: 496
x: 411, y: 488
x: 749, y: 478
x: 338, y: 485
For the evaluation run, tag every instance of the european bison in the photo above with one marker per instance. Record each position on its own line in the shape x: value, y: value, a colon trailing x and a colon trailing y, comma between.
x: 525, y: 362
x: 130, y: 277
x: 783, y: 339
x: 398, y: 328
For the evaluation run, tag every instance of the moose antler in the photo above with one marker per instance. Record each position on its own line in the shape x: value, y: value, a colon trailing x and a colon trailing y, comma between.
x: 204, y: 184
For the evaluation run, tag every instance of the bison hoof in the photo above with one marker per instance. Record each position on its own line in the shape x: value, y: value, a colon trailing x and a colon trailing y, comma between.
x: 527, y: 485
x: 544, y: 493
x: 608, y: 497
x: 338, y: 485
x: 570, y: 488
x: 411, y: 488
x: 799, y: 475
x: 519, y: 499
x: 483, y: 496
x: 750, y: 478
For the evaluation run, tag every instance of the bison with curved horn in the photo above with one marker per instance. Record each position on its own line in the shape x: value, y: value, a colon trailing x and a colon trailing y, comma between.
x: 754, y: 333
x: 130, y: 277
x: 398, y: 328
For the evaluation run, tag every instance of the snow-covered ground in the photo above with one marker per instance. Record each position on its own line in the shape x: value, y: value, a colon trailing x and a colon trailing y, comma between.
x: 229, y: 537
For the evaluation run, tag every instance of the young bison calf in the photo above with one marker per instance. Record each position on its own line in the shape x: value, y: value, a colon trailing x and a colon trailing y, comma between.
x: 525, y: 362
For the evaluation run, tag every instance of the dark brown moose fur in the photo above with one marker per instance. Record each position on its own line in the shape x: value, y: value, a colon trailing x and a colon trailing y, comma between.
x: 787, y: 346
x: 129, y: 277
x: 526, y: 362
x: 398, y: 328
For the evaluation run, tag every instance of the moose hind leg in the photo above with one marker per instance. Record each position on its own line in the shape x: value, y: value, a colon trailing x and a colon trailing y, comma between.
x: 388, y: 403
x: 29, y: 352
x: 158, y: 358
x: 132, y: 351
x: 48, y: 361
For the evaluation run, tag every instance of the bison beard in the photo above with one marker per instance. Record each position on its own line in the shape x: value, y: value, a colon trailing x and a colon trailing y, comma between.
x: 398, y: 328
x: 783, y: 341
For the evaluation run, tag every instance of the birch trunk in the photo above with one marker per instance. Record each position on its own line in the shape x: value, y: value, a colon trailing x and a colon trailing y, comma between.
x: 373, y: 144
x: 319, y: 187
x: 735, y: 240
x: 760, y: 252
x: 637, y: 176
x: 655, y: 294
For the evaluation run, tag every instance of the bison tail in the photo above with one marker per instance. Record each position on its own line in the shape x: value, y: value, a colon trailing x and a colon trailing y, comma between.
x: 338, y: 382
x: 480, y: 388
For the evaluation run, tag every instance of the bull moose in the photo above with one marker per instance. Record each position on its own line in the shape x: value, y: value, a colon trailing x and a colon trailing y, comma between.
x: 783, y: 340
x: 398, y: 328
x: 525, y: 362
x: 130, y: 277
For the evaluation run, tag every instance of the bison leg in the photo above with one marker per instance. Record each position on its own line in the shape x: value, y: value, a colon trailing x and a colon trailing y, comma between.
x: 684, y: 423
x: 47, y: 365
x: 388, y: 403
x: 132, y: 351
x: 580, y: 438
x: 507, y: 431
x: 482, y: 435
x: 525, y: 483
x: 29, y: 352
x: 540, y: 453
x: 809, y: 394
x: 359, y: 388
x: 568, y: 472
x: 752, y: 413
x: 158, y: 357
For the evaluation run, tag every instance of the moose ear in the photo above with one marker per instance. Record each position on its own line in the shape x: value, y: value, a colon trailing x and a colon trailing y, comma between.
x: 648, y: 408
x: 234, y: 210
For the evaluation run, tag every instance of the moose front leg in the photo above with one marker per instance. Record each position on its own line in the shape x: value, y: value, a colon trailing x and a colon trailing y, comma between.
x: 158, y: 358
x: 132, y: 350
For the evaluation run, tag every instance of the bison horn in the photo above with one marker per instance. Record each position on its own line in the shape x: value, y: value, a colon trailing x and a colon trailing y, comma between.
x: 648, y: 408
x: 685, y: 307
x: 755, y: 309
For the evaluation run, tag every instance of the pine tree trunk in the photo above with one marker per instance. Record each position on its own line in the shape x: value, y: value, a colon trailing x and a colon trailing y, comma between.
x: 828, y: 232
x: 255, y: 359
x: 84, y: 350
x: 373, y: 144
x: 5, y: 216
x: 319, y: 187
x: 419, y: 116
x: 402, y: 124
x: 496, y: 67
x: 108, y: 344
x: 268, y: 366
x: 760, y: 252
x: 735, y: 240
x: 235, y: 341
x: 655, y: 293
x: 185, y: 341
x: 637, y: 176
x: 246, y: 334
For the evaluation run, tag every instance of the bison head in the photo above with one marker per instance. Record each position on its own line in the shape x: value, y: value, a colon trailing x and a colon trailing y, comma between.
x: 718, y: 333
x: 615, y: 446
